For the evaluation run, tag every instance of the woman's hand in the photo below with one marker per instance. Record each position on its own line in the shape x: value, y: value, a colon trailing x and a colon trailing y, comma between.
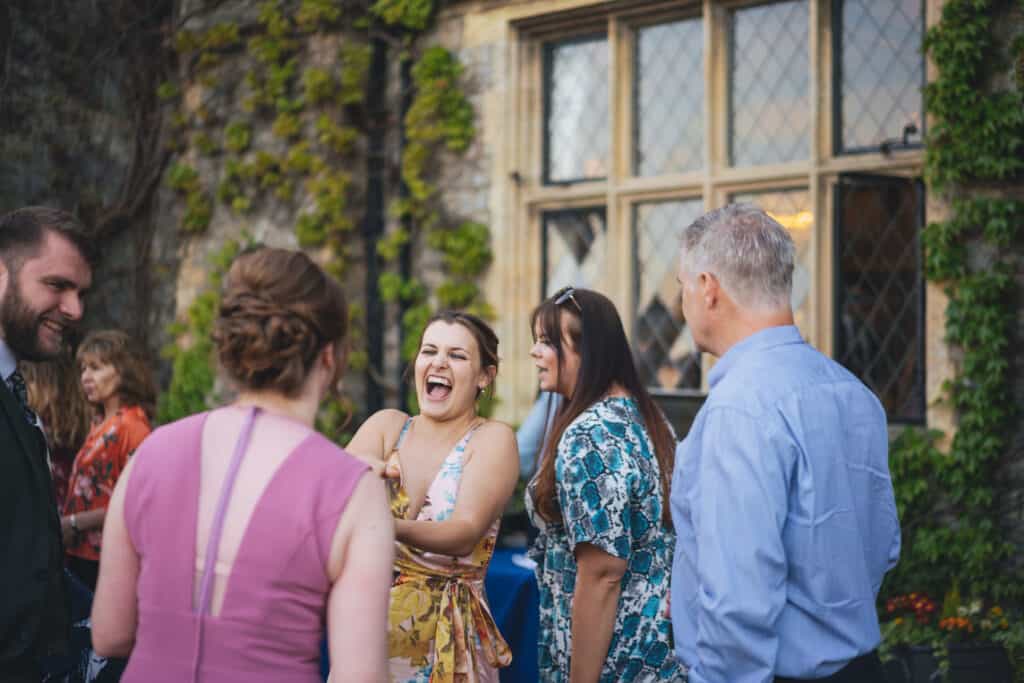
x: 67, y: 534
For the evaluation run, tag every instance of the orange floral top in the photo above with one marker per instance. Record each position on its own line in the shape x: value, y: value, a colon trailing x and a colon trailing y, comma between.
x: 97, y: 467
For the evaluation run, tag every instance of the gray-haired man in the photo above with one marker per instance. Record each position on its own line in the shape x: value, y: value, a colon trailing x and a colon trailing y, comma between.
x: 781, y: 495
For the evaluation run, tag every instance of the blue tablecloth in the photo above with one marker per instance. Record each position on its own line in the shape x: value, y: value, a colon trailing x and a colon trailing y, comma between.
x: 515, y: 603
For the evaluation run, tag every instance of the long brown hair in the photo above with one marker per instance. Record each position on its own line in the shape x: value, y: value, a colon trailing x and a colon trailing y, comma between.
x: 55, y: 393
x: 596, y: 334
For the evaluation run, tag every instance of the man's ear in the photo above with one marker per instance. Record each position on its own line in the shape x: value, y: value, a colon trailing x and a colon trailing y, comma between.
x: 709, y: 288
x: 5, y: 278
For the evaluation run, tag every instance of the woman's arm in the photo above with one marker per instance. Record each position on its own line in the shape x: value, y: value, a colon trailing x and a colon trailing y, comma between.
x: 84, y: 521
x: 123, y: 439
x: 488, y: 480
x: 376, y: 437
x: 360, y: 567
x: 114, y: 609
x: 594, y: 605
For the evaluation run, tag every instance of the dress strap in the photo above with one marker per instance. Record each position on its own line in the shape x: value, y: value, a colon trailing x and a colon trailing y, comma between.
x: 464, y: 441
x: 213, y: 544
x: 402, y: 434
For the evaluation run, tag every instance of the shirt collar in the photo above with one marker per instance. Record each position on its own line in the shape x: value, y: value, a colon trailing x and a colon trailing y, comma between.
x: 8, y: 363
x: 759, y: 341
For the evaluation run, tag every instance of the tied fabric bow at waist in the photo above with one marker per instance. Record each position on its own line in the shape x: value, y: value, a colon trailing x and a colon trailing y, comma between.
x: 443, y: 610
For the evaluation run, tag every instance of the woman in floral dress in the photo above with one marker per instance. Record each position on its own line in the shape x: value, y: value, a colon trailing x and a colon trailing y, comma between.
x: 118, y: 382
x: 450, y: 473
x: 600, y: 502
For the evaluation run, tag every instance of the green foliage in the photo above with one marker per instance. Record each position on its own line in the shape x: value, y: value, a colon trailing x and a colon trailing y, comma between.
x: 440, y: 114
x: 220, y: 37
x: 198, y: 207
x: 337, y: 138
x: 168, y: 90
x: 948, y: 503
x: 301, y: 161
x: 198, y: 212
x: 441, y: 110
x: 192, y: 374
x: 390, y: 247
x: 205, y: 144
x: 976, y: 134
x: 287, y: 126
x: 410, y: 14
x: 318, y: 85
x: 278, y: 94
x: 355, y: 69
x: 314, y: 15
x: 466, y: 250
x: 237, y: 136
x: 182, y: 177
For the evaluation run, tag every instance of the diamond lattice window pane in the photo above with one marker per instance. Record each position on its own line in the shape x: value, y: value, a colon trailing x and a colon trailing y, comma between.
x: 574, y: 248
x: 663, y: 346
x: 668, y: 98
x: 577, y: 126
x: 879, y: 302
x: 769, y: 82
x: 881, y: 70
x: 792, y: 208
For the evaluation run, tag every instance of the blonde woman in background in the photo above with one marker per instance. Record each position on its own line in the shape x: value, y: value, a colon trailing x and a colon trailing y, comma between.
x: 55, y: 394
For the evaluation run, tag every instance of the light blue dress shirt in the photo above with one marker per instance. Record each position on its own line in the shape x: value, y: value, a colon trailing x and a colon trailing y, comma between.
x: 8, y: 363
x: 785, y: 517
x: 532, y: 434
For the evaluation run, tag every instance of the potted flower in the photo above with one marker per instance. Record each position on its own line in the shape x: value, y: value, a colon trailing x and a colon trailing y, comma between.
x: 961, y: 643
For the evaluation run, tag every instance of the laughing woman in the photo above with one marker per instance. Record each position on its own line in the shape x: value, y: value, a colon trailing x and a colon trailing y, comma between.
x: 450, y: 473
x: 604, y: 552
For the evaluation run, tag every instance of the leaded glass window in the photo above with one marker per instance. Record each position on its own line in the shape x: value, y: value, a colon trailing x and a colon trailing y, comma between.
x: 668, y: 98
x: 792, y: 208
x: 666, y: 355
x: 879, y: 325
x: 573, y: 248
x: 880, y: 71
x: 769, y: 84
x: 576, y: 118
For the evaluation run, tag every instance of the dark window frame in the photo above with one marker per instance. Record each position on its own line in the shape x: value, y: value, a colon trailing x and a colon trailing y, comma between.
x: 547, y: 48
x: 838, y: 148
x: 847, y: 180
x: 545, y: 216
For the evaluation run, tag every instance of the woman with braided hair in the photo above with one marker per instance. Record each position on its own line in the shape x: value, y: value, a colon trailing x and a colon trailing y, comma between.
x: 236, y: 535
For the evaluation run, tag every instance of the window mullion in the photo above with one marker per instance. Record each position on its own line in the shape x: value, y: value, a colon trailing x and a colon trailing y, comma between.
x: 619, y: 73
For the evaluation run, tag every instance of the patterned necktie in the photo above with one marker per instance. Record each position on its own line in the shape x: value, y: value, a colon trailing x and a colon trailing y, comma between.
x: 17, y: 384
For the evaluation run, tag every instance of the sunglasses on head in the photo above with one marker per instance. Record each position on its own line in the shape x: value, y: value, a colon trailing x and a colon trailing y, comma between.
x: 566, y: 294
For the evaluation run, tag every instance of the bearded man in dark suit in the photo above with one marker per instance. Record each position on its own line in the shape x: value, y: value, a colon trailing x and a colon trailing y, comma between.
x: 45, y: 267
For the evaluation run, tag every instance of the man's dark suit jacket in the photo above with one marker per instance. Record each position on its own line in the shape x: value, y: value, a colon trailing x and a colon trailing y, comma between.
x: 33, y: 613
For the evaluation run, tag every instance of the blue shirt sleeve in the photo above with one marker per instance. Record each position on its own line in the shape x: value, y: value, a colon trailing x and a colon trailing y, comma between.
x: 531, y: 434
x: 741, y: 567
x: 593, y: 488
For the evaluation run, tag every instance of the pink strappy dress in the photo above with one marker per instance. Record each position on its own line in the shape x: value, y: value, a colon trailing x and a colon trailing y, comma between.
x: 273, y: 614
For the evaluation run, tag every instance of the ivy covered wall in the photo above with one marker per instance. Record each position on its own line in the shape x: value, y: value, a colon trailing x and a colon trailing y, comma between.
x: 332, y: 127
x: 961, y: 510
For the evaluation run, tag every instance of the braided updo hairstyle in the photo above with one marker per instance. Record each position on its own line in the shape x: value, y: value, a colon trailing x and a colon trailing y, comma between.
x: 278, y: 311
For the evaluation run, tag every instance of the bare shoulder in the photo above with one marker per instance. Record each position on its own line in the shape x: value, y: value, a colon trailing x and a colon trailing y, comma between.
x: 496, y: 436
x: 377, y: 434
x: 388, y: 419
